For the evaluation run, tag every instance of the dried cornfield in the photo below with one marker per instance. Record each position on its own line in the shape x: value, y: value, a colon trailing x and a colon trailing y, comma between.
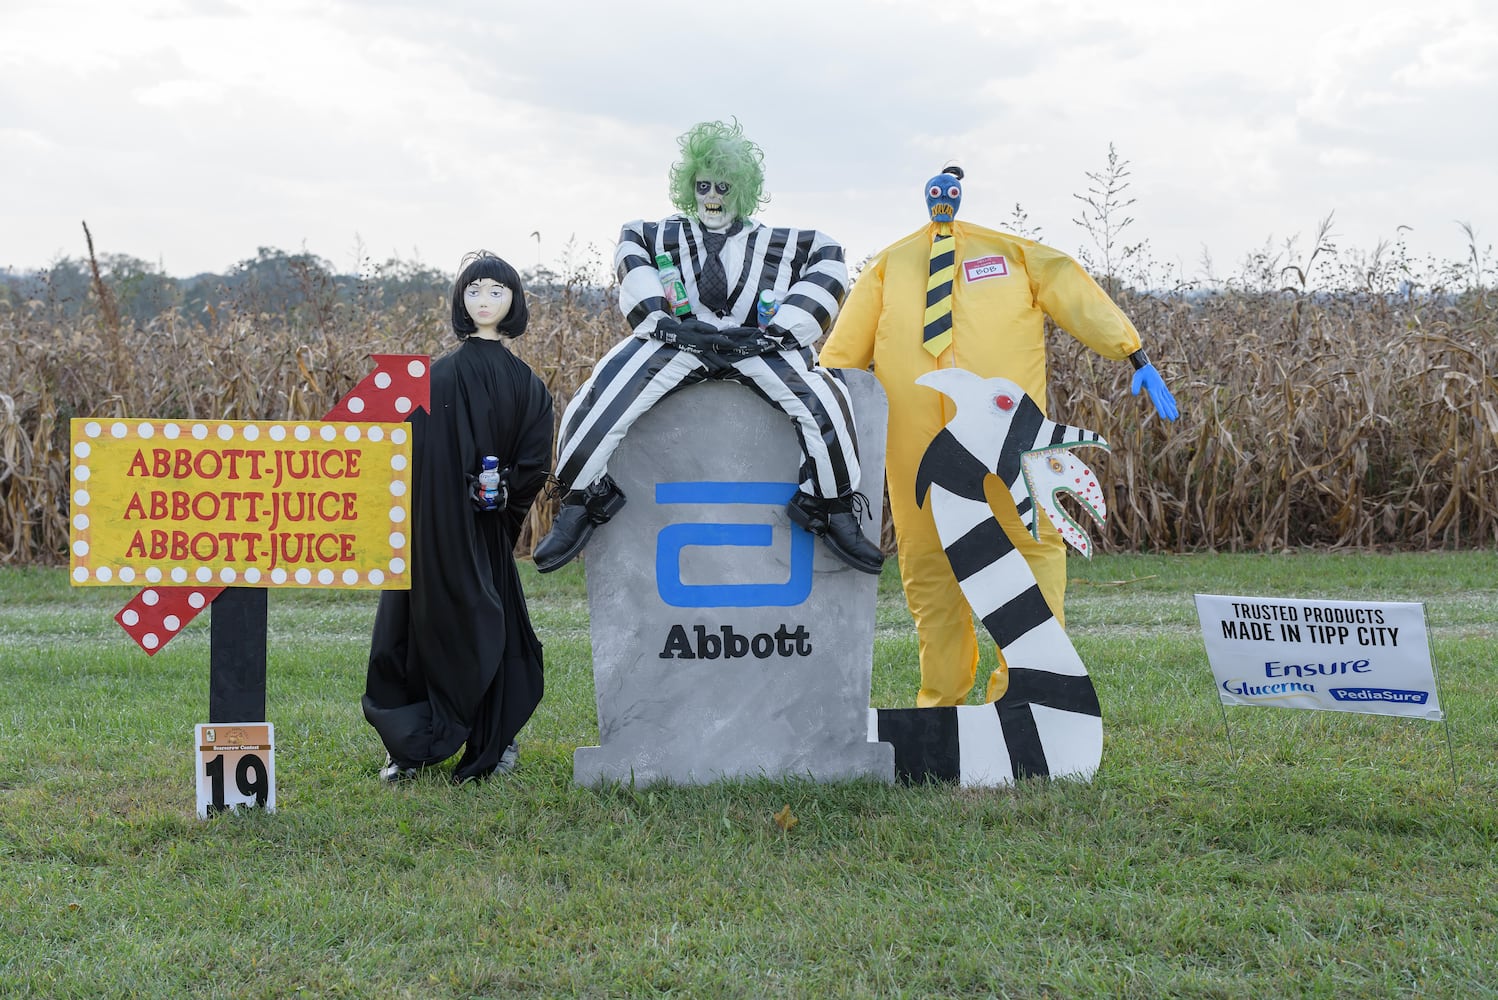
x: 1335, y: 420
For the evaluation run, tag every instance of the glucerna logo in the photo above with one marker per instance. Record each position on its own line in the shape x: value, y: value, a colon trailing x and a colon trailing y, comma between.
x: 673, y: 538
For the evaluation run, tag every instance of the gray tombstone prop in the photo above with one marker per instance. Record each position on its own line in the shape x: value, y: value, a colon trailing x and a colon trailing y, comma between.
x: 727, y: 642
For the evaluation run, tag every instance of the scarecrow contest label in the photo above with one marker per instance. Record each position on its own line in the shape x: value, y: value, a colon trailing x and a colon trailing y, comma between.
x: 248, y: 503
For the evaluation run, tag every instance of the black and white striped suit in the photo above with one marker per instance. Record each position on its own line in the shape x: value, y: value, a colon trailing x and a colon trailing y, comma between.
x: 807, y: 272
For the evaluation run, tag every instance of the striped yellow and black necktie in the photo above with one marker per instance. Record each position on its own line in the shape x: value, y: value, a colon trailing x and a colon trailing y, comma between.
x: 938, y: 331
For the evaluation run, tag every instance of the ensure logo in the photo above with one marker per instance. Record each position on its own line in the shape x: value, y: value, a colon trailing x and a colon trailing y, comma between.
x: 985, y: 267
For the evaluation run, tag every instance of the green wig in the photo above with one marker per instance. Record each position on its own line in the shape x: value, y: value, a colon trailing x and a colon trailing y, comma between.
x: 721, y: 152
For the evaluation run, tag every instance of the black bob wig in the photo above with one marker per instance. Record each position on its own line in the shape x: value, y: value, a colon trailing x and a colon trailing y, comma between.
x: 483, y: 264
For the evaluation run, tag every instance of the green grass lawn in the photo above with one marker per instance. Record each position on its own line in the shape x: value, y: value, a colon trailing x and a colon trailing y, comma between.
x: 1327, y: 855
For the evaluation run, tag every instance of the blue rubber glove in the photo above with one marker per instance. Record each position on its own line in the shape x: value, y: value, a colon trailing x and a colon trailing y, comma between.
x: 1149, y: 380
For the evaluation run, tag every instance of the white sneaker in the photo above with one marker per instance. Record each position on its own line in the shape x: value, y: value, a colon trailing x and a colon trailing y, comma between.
x: 508, y: 760
x: 393, y: 772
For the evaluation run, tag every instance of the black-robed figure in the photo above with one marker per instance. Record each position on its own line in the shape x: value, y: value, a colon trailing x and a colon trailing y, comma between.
x: 454, y: 660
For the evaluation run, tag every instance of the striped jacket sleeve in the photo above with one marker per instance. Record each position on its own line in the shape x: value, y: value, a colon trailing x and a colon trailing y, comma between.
x: 810, y: 305
x: 641, y: 298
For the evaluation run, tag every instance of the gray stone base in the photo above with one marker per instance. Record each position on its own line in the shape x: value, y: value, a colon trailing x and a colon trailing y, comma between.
x: 728, y: 643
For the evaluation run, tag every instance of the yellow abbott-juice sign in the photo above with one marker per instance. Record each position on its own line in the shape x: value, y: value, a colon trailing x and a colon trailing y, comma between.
x: 246, y: 503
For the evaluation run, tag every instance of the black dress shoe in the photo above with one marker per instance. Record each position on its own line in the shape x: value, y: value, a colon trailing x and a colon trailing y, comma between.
x: 847, y: 542
x: 582, y: 511
x: 568, y: 535
x: 836, y: 523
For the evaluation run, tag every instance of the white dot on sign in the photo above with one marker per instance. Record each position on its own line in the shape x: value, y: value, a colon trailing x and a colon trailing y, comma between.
x: 129, y: 618
x: 327, y: 432
x: 171, y: 432
x: 382, y: 380
x: 397, y: 566
x: 200, y: 432
x: 92, y: 429
x: 350, y: 577
x: 397, y: 540
x: 325, y: 577
x: 398, y: 435
x: 376, y: 577
x: 145, y: 430
x: 127, y: 575
x: 397, y: 514
x: 351, y: 432
x: 80, y: 498
x: 277, y: 433
x: 227, y: 575
x: 376, y: 434
x: 153, y: 575
x: 197, y: 600
x: 149, y: 640
x: 102, y: 574
x: 82, y: 448
x: 81, y: 473
x: 225, y: 432
x: 149, y: 598
x: 81, y: 522
x: 80, y: 574
x: 204, y: 574
x: 251, y: 432
x: 397, y: 462
x: 402, y: 404
x: 80, y: 548
x: 304, y: 576
x: 398, y: 488
x: 252, y: 575
x: 302, y: 432
x: 171, y: 623
x: 355, y: 404
x: 278, y: 576
x: 179, y: 574
x: 118, y: 430
x: 416, y: 368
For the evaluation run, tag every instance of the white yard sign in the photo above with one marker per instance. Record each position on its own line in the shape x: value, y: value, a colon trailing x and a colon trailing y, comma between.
x: 1338, y: 656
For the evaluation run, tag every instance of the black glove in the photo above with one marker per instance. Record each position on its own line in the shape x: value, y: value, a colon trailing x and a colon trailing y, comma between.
x: 750, y: 341
x: 476, y: 492
x: 693, y: 335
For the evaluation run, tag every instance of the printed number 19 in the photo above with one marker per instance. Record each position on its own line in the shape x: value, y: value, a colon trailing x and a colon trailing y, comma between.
x: 257, y: 786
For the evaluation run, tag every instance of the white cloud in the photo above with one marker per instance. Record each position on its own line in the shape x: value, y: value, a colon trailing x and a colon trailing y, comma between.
x: 195, y: 131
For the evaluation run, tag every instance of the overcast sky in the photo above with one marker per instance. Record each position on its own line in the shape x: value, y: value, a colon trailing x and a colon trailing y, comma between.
x: 190, y: 133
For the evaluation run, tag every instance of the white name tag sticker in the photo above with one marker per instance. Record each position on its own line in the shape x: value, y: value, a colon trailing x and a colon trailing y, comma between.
x: 236, y: 766
x: 985, y: 267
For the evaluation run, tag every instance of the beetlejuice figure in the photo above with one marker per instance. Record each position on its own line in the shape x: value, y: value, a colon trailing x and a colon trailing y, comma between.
x: 723, y: 260
x: 955, y: 295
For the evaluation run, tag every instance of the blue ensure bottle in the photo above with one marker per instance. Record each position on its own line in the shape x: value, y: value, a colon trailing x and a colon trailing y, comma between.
x: 767, y: 307
x: 489, y: 481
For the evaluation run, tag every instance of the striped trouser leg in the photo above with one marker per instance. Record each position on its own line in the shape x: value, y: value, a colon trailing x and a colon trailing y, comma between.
x: 820, y: 410
x: 627, y: 381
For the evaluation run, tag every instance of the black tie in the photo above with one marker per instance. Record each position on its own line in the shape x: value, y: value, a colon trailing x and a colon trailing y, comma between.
x: 712, y: 283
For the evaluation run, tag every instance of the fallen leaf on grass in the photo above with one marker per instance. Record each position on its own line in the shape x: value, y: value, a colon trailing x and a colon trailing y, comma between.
x: 785, y: 819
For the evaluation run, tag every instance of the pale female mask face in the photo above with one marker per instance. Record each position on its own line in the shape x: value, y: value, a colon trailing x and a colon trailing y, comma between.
x: 488, y: 302
x: 712, y: 204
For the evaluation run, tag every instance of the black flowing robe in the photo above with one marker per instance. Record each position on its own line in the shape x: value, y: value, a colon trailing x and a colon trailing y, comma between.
x: 454, y: 660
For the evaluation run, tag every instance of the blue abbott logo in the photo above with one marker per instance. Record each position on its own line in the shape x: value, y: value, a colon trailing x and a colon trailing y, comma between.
x: 675, y: 537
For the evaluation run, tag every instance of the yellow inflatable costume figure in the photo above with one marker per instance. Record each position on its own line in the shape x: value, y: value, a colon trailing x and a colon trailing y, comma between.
x: 954, y: 295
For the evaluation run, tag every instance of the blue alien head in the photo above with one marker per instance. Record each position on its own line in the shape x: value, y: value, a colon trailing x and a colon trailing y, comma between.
x: 944, y: 194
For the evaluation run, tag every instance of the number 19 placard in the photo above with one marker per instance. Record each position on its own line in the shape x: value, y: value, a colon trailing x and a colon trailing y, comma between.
x: 236, y: 766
